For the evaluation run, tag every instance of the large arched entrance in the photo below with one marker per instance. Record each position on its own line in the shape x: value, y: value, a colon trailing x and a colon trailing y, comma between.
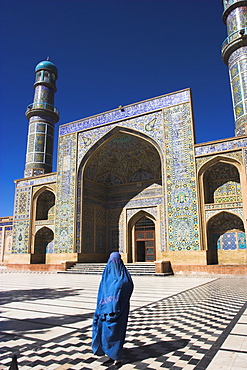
x: 225, y: 231
x: 145, y: 240
x: 124, y: 172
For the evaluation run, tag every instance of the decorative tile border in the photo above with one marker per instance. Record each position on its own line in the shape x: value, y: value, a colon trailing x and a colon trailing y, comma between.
x: 126, y: 112
x: 65, y: 206
x: 39, y: 181
x: 20, y: 237
x: 22, y: 203
x: 236, y: 155
x: 221, y: 147
x: 183, y: 232
x: 212, y: 212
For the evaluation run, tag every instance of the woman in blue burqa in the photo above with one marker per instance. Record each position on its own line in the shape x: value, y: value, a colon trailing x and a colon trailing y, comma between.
x: 111, y: 315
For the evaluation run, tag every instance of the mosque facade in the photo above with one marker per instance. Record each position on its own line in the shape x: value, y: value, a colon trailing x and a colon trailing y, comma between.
x: 133, y: 179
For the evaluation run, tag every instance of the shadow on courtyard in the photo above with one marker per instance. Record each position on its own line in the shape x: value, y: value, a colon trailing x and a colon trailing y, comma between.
x: 40, y: 325
x: 35, y: 294
x: 153, y: 350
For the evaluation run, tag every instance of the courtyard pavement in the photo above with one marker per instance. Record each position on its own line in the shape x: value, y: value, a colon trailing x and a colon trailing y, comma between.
x: 176, y: 322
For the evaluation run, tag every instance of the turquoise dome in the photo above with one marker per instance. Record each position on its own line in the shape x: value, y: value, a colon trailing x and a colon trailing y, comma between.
x: 46, y: 65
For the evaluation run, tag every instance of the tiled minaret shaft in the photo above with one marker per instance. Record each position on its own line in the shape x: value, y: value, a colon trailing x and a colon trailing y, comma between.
x: 42, y: 116
x: 234, y: 54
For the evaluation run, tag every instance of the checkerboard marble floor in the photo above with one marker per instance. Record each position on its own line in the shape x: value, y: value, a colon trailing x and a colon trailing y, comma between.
x: 176, y: 322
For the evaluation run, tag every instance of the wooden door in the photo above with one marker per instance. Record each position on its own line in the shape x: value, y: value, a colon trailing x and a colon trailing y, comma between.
x: 145, y: 240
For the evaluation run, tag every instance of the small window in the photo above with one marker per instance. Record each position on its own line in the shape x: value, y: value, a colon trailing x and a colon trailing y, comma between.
x: 46, y: 76
x: 38, y: 76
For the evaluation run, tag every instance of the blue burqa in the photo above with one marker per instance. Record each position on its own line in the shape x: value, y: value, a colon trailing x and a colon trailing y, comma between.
x: 111, y: 315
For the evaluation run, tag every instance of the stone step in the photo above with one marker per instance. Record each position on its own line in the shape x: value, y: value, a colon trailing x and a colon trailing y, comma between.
x: 97, y: 269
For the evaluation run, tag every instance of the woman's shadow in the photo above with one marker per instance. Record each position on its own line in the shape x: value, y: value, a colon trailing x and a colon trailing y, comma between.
x: 154, y: 350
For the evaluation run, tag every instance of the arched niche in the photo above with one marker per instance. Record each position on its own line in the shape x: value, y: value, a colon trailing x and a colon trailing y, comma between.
x: 45, y: 205
x: 221, y: 183
x: 225, y: 231
x: 42, y: 243
x: 142, y: 237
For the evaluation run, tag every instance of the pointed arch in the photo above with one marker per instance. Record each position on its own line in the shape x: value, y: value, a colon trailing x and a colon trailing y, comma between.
x: 218, y: 158
x: 114, y: 132
x: 42, y: 244
x: 44, y: 203
x: 121, y: 165
x: 225, y: 231
x: 142, y: 244
x: 220, y: 184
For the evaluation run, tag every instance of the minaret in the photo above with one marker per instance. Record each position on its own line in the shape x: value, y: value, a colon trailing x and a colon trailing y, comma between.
x: 234, y: 54
x: 42, y: 116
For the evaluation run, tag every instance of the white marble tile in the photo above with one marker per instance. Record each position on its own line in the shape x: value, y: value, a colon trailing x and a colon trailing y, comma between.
x: 240, y: 328
x: 222, y: 360
x: 227, y: 360
x: 234, y: 342
x: 240, y: 361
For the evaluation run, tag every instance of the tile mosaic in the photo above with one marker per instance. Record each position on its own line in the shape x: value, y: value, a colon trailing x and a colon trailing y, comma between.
x: 181, y: 185
x: 128, y: 111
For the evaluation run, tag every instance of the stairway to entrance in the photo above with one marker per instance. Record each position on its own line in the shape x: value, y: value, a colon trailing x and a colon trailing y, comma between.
x: 97, y: 269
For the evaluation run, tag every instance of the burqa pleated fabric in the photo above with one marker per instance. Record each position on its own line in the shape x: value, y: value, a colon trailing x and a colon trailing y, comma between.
x: 114, y: 294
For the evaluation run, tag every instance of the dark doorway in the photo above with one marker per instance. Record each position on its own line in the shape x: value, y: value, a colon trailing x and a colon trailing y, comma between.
x: 145, y: 240
x: 224, y: 231
x: 42, y: 238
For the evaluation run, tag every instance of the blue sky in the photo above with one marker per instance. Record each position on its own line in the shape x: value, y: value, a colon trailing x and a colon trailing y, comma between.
x: 109, y: 53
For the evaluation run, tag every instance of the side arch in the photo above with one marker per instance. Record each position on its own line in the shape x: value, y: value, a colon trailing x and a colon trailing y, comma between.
x: 221, y: 181
x: 43, y: 211
x: 43, y: 243
x: 216, y: 159
x: 133, y: 254
x: 225, y: 232
x: 44, y: 201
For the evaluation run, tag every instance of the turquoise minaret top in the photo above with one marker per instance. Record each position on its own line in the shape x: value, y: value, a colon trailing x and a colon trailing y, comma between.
x: 42, y: 116
x: 234, y: 54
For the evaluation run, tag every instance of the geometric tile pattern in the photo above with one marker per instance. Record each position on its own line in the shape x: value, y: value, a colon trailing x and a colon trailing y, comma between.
x: 22, y: 203
x: 182, y: 331
x: 65, y: 195
x: 232, y: 241
x: 237, y: 70
x: 22, y: 210
x: 20, y: 236
x: 181, y: 185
